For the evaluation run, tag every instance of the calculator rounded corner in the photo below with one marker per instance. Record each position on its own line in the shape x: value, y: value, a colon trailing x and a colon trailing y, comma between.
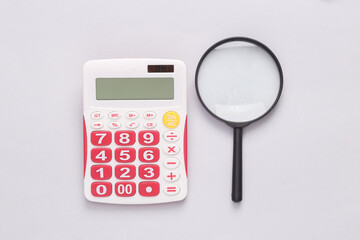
x: 182, y: 64
x: 87, y: 65
x: 182, y: 198
x: 88, y: 196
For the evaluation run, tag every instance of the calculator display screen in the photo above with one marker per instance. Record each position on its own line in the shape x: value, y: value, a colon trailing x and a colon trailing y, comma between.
x: 134, y: 88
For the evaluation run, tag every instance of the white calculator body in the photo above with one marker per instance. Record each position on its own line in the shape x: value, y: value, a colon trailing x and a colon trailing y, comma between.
x: 135, y: 117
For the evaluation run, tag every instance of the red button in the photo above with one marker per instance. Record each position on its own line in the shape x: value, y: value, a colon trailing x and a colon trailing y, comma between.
x: 148, y: 137
x: 101, y: 155
x: 125, y: 155
x: 125, y: 172
x: 125, y: 138
x: 149, y: 171
x: 101, y: 172
x: 149, y: 154
x: 101, y: 189
x: 101, y: 138
x: 149, y: 189
x: 125, y: 189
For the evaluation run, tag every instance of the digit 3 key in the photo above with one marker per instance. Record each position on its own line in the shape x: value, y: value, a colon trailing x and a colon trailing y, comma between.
x: 135, y: 131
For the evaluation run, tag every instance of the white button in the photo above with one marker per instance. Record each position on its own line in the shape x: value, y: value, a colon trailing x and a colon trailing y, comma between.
x: 171, y: 136
x: 97, y: 125
x: 171, y: 189
x: 97, y: 115
x: 171, y: 149
x: 149, y: 115
x: 114, y: 115
x: 171, y: 163
x: 114, y: 125
x: 149, y: 124
x: 132, y: 115
x: 132, y: 124
x: 172, y: 176
x: 148, y: 189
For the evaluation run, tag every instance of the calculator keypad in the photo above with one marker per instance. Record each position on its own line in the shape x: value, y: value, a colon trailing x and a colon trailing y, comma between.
x: 126, y: 160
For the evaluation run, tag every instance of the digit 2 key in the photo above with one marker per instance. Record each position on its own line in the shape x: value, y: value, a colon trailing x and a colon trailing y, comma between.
x: 135, y: 131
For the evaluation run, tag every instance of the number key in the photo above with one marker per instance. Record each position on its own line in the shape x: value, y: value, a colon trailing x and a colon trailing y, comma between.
x: 148, y: 137
x: 149, y: 171
x: 149, y: 154
x: 125, y: 189
x: 125, y: 172
x: 101, y: 155
x: 101, y: 189
x: 125, y: 155
x: 101, y: 138
x: 125, y: 138
x: 101, y: 172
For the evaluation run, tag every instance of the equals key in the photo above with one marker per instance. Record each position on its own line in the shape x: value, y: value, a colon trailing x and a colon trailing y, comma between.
x: 172, y: 189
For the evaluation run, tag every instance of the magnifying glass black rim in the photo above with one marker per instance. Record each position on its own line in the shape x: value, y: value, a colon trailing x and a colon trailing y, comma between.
x: 240, y: 39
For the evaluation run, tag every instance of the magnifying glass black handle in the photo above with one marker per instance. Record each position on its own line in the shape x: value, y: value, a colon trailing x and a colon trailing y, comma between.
x: 236, y: 194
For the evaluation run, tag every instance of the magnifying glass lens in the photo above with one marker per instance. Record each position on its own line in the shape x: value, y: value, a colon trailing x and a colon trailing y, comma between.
x: 238, y: 81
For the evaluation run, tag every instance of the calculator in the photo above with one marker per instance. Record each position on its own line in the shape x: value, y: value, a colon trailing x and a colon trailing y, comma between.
x: 135, y: 130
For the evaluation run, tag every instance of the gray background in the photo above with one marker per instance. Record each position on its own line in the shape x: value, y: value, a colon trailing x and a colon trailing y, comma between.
x: 302, y: 162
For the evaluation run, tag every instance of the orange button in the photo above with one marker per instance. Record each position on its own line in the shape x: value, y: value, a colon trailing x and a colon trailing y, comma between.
x: 171, y: 119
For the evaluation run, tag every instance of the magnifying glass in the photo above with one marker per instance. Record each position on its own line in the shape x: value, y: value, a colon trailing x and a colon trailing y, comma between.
x: 239, y: 81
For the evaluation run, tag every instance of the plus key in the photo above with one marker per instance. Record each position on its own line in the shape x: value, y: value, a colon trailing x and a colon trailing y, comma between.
x: 172, y: 176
